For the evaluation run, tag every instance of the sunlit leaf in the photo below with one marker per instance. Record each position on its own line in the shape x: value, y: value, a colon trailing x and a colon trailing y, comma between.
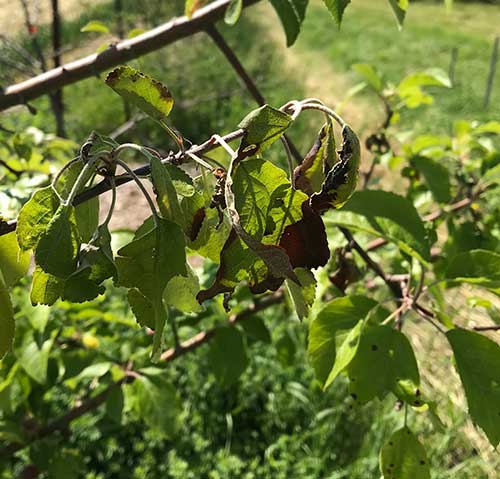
x: 233, y: 12
x: 95, y: 26
x: 148, y: 94
x: 336, y: 8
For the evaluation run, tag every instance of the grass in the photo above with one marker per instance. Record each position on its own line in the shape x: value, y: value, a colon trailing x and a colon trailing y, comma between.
x: 369, y: 34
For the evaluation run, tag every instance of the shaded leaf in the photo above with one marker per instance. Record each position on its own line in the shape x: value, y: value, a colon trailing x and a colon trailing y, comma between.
x: 291, y: 14
x: 478, y: 267
x: 57, y: 249
x: 336, y: 8
x: 7, y: 324
x: 157, y: 403
x: 478, y: 363
x: 87, y: 218
x: 34, y: 360
x: 45, y: 288
x: 399, y: 8
x: 181, y: 292
x: 403, y: 457
x: 436, y: 176
x: 227, y: 355
x: 386, y: 214
x: 150, y: 95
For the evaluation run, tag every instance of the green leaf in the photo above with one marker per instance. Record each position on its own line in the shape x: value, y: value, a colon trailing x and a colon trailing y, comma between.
x: 233, y: 12
x: 478, y: 364
x: 35, y: 360
x: 311, y: 173
x: 302, y: 296
x: 35, y: 216
x: 436, y: 176
x: 336, y: 8
x: 339, y: 315
x: 95, y: 26
x: 96, y: 265
x: 291, y: 14
x: 57, y: 249
x: 263, y: 127
x: 403, y: 457
x: 7, y: 324
x: 370, y: 75
x: 13, y: 262
x: 114, y: 405
x: 157, y: 403
x: 182, y: 182
x: 181, y: 292
x: 192, y: 5
x: 410, y: 88
x: 151, y: 96
x: 346, y: 352
x: 399, y: 8
x: 256, y: 329
x: 135, y: 32
x: 142, y: 308
x: 386, y: 214
x: 45, y: 288
x: 477, y: 267
x: 227, y: 355
x: 87, y: 218
x: 385, y: 354
x: 93, y: 371
x: 148, y: 263
x: 166, y: 196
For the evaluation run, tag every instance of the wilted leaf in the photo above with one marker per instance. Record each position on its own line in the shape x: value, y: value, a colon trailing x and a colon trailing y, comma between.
x: 311, y: 173
x: 342, y: 179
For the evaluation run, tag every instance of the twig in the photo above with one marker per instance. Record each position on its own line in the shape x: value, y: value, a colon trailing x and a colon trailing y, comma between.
x: 496, y: 327
x: 120, y: 53
x: 239, y: 69
x: 62, y: 423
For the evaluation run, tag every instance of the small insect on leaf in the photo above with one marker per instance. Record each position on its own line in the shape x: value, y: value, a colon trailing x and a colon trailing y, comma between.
x: 148, y: 94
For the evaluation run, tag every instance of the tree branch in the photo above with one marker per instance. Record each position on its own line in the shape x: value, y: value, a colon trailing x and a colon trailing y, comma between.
x: 62, y: 422
x: 250, y: 85
x: 117, y: 54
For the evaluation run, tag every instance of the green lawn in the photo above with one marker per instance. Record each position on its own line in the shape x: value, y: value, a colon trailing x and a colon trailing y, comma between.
x: 369, y: 34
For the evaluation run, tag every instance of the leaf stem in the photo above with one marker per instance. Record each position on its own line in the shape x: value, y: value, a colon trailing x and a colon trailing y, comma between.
x: 141, y: 187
